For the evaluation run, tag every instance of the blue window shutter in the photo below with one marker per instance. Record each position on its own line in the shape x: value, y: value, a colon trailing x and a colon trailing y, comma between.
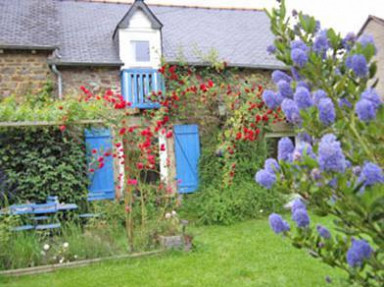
x: 187, y: 152
x: 102, y: 180
x: 142, y: 53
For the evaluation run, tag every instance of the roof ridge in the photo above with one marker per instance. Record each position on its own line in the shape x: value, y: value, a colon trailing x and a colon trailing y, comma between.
x: 168, y: 5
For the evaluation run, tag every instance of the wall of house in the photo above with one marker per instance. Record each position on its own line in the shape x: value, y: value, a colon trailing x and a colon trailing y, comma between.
x: 23, y: 72
x: 97, y: 79
x: 377, y: 31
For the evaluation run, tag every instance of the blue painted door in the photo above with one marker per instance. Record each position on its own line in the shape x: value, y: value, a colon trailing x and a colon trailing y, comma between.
x: 102, y: 180
x: 187, y: 152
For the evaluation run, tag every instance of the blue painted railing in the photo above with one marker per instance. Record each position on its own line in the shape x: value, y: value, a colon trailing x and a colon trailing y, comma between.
x: 138, y: 84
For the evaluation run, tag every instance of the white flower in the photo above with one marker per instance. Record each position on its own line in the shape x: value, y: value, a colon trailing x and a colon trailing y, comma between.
x: 261, y: 211
x: 66, y: 244
x: 168, y: 215
x: 75, y: 256
x: 61, y: 260
x: 46, y: 247
x: 174, y: 213
x: 43, y: 252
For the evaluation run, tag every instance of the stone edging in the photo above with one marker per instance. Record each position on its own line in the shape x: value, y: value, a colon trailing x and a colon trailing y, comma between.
x: 54, y: 267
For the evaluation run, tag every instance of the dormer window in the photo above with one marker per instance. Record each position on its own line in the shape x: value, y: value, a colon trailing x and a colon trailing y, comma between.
x: 141, y: 51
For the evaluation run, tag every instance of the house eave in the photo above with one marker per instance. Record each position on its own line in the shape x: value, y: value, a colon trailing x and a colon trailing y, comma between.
x: 28, y: 47
x: 237, y: 65
x: 85, y: 64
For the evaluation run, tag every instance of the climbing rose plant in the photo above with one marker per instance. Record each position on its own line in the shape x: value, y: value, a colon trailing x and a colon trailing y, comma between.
x: 336, y: 165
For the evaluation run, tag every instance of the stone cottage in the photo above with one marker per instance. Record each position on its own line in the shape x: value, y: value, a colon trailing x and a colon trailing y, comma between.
x: 121, y: 46
x: 74, y: 43
x: 374, y: 26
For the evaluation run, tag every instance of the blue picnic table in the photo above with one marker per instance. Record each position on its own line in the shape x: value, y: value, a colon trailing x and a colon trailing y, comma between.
x: 39, y: 213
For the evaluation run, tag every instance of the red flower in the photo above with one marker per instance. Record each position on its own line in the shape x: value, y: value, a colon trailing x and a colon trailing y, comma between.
x: 61, y: 107
x: 169, y: 134
x: 118, y: 145
x: 210, y: 83
x: 91, y: 170
x: 100, y: 159
x: 122, y: 131
x: 172, y: 69
x: 132, y: 181
x: 238, y: 136
x: 162, y: 147
x: 94, y: 151
x: 140, y: 165
x: 101, y: 164
x: 62, y: 128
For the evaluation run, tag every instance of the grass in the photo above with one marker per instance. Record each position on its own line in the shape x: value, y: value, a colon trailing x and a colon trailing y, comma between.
x: 245, y: 254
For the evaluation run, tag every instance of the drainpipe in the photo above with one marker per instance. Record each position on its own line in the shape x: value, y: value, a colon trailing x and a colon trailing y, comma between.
x: 59, y: 82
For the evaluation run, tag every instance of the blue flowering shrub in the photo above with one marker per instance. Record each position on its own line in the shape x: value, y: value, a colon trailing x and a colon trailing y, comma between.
x: 328, y: 94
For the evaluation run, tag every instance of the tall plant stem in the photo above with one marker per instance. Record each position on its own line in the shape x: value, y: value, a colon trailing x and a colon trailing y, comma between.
x: 361, y: 140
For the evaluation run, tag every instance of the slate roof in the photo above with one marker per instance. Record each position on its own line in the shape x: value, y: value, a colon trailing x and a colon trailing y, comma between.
x: 31, y: 23
x: 84, y: 32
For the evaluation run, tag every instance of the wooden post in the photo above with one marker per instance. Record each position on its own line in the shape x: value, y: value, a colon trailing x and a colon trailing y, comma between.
x: 171, y: 158
x: 128, y: 196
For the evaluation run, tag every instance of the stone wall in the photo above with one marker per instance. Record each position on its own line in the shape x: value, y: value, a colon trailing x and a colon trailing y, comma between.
x: 23, y: 72
x: 97, y: 79
x: 376, y: 30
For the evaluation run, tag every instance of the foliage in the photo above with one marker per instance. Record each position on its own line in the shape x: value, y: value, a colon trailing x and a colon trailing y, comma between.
x: 74, y: 242
x: 218, y: 203
x: 225, y: 256
x: 337, y: 165
x: 41, y: 162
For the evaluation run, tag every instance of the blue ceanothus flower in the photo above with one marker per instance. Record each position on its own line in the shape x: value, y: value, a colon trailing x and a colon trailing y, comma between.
x: 366, y: 40
x: 285, y: 149
x: 271, y: 165
x: 318, y: 95
x: 271, y: 49
x: 291, y: 111
x: 298, y: 204
x: 303, y: 98
x: 278, y: 224
x: 371, y: 95
x: 295, y: 74
x: 278, y: 76
x: 300, y: 216
x: 371, y: 174
x: 302, y: 84
x: 331, y: 156
x: 299, y: 53
x: 301, y: 149
x: 365, y: 110
x: 323, y: 232
x: 327, y: 114
x: 272, y: 99
x: 359, y: 251
x: 265, y: 178
x: 348, y: 41
x: 344, y: 103
x: 321, y: 43
x: 358, y: 64
x: 285, y: 89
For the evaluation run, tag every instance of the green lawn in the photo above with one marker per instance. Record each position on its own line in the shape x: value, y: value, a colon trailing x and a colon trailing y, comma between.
x: 245, y: 254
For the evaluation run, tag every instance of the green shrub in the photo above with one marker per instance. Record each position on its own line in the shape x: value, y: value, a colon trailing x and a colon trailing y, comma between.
x: 218, y: 203
x: 41, y: 162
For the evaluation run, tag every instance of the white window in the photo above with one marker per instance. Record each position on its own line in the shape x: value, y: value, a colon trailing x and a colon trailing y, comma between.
x: 141, y: 51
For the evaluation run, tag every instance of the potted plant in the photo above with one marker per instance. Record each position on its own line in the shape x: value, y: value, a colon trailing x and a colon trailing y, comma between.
x: 171, y: 231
